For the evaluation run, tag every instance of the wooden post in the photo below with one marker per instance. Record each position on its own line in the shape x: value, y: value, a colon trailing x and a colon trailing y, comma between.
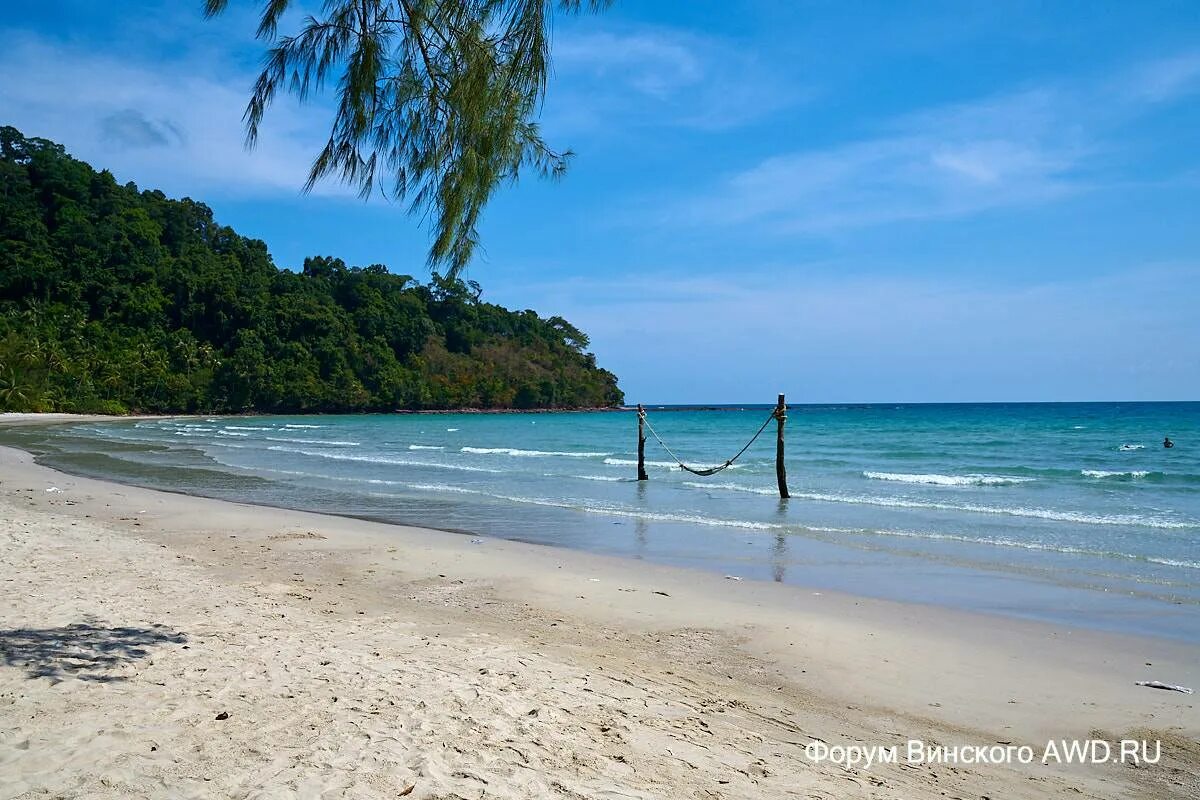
x: 780, y: 470
x: 642, y: 476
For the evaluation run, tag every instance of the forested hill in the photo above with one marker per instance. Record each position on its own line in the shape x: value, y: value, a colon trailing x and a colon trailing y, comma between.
x: 115, y: 300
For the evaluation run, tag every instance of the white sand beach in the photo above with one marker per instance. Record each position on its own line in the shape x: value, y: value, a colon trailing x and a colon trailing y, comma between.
x: 155, y: 645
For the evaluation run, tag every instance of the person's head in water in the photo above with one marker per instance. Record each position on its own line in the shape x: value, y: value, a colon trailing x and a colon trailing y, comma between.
x: 1167, y: 442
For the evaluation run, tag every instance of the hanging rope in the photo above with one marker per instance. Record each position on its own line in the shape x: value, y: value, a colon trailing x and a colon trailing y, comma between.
x: 705, y: 472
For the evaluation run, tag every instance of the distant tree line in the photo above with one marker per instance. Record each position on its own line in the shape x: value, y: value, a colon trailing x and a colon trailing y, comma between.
x: 114, y: 300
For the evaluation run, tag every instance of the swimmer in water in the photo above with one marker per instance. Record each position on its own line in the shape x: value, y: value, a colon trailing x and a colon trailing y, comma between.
x: 1167, y: 442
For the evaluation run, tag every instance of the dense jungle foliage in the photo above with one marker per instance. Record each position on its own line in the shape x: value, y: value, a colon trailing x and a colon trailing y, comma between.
x: 114, y: 300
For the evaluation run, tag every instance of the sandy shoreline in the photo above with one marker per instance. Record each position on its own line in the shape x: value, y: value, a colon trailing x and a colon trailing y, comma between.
x: 476, y: 667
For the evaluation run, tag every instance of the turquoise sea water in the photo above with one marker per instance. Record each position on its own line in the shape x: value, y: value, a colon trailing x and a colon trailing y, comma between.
x: 1066, y: 512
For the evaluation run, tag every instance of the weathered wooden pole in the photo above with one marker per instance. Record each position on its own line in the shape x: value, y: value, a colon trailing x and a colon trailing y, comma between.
x: 780, y: 470
x: 642, y: 476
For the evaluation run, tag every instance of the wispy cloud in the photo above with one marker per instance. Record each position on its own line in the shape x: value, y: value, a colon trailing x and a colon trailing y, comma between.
x: 651, y: 63
x: 173, y: 123
x: 611, y: 80
x: 1165, y: 79
x: 1021, y: 149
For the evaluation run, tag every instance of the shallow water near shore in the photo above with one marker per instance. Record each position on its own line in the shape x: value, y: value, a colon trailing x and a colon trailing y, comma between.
x: 1071, y: 513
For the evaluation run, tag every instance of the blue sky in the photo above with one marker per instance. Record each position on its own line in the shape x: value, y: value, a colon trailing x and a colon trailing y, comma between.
x: 844, y: 201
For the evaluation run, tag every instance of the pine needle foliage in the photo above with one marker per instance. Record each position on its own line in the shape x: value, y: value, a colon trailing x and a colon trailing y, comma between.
x: 436, y: 100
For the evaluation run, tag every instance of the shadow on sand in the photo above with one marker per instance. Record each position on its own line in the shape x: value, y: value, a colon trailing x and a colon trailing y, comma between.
x: 85, y: 651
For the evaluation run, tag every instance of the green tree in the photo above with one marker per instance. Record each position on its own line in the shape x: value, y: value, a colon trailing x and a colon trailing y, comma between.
x: 436, y: 99
x: 115, y: 299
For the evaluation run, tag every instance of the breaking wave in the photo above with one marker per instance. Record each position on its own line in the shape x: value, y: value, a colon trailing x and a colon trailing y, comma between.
x: 1124, y: 476
x: 933, y: 479
x: 512, y: 451
x: 382, y: 460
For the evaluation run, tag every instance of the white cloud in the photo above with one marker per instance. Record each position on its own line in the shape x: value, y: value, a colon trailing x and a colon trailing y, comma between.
x: 650, y: 62
x: 890, y: 180
x: 605, y: 81
x: 1165, y: 79
x: 1015, y: 150
x: 173, y: 124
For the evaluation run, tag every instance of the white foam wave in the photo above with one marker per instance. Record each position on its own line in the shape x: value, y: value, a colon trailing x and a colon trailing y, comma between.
x: 731, y: 487
x: 590, y: 508
x: 1103, y: 473
x: 425, y: 447
x: 244, y: 428
x: 1127, y: 447
x: 295, y: 440
x: 320, y: 475
x: 693, y: 519
x: 382, y: 460
x: 933, y: 479
x: 605, y: 478
x: 451, y: 430
x: 1041, y: 546
x: 512, y: 451
x: 1172, y: 562
x: 1013, y: 511
x: 629, y: 462
x: 442, y: 487
x: 303, y: 426
x: 231, y: 433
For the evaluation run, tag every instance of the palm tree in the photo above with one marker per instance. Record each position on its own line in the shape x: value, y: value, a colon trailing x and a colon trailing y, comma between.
x: 11, y: 393
x: 436, y: 99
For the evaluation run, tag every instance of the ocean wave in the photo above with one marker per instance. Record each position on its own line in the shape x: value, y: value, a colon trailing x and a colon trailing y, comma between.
x: 243, y: 428
x: 512, y: 451
x: 297, y: 425
x: 425, y: 447
x: 383, y: 460
x: 451, y: 430
x: 442, y: 487
x: 231, y: 433
x: 692, y: 519
x: 1173, y: 562
x: 1128, y: 447
x: 731, y: 487
x: 1001, y: 541
x: 1012, y: 511
x: 605, y: 478
x: 933, y: 479
x: 319, y: 475
x: 589, y: 507
x: 1130, y: 475
x: 630, y: 462
x: 294, y: 440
